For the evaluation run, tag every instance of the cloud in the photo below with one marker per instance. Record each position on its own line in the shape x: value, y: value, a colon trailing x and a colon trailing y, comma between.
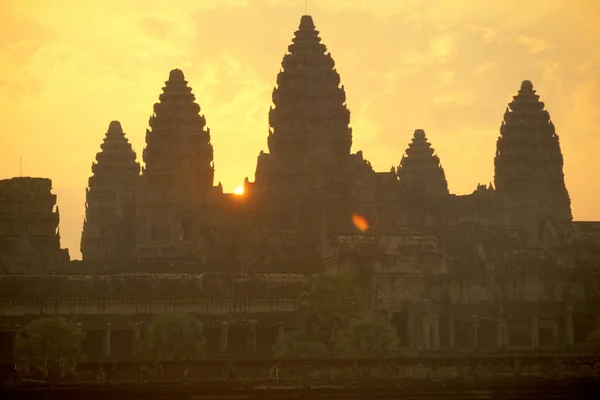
x: 534, y: 45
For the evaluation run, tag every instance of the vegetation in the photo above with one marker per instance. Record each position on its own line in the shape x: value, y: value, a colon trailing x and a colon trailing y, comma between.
x: 592, y: 340
x: 50, y: 347
x: 174, y: 337
x: 335, y: 320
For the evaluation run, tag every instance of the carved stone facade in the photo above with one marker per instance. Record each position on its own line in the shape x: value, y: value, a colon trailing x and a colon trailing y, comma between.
x: 29, y: 232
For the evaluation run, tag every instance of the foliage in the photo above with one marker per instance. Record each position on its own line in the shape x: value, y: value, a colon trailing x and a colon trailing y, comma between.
x: 50, y: 344
x: 334, y: 321
x: 328, y: 303
x: 174, y: 337
x: 299, y: 344
x: 367, y: 337
x: 592, y: 340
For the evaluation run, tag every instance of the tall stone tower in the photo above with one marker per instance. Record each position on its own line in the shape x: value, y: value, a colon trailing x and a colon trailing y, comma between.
x: 178, y: 176
x: 529, y: 163
x: 111, y: 200
x: 420, y: 171
x: 309, y: 124
x: 309, y: 162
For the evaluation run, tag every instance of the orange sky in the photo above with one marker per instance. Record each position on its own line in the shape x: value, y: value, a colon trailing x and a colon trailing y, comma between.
x: 69, y: 67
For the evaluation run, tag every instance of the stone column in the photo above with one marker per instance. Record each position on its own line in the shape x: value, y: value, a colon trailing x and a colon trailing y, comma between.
x: 15, y: 349
x: 410, y: 319
x: 251, y: 337
x: 223, y: 338
x: 476, y: 332
x: 501, y: 342
x: 426, y: 332
x: 570, y: 340
x: 435, y: 326
x: 107, y: 347
x: 535, y: 328
x: 280, y: 331
x: 136, y: 339
x: 451, y: 331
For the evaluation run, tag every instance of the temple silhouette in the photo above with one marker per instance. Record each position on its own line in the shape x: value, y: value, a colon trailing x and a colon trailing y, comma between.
x: 504, y: 267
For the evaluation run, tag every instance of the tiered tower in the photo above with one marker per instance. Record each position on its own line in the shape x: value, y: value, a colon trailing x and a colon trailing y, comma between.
x: 420, y: 171
x: 179, y: 172
x: 111, y: 200
x: 309, y: 124
x: 529, y: 162
x: 309, y: 166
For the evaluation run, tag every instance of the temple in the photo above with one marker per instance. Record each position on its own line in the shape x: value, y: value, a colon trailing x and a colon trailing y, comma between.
x: 503, y: 268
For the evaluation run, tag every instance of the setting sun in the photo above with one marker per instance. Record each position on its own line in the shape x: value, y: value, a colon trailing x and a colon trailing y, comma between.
x: 239, y: 190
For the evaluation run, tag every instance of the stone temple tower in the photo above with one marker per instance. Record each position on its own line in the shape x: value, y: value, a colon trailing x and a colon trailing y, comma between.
x: 178, y: 176
x: 309, y: 124
x: 529, y: 163
x: 420, y: 170
x: 111, y: 200
x: 309, y: 163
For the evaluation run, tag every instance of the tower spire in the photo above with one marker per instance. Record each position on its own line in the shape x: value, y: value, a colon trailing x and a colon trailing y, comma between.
x: 529, y: 161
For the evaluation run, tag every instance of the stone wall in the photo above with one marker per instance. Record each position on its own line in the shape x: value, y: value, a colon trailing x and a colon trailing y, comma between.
x: 29, y: 218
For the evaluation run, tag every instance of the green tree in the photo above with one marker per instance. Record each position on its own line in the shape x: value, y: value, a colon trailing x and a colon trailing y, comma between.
x: 175, y: 337
x: 50, y: 344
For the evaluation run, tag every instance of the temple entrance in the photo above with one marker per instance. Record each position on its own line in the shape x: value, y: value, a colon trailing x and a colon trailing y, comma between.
x: 236, y: 340
x: 93, y: 343
x: 266, y: 338
x: 122, y: 343
x: 487, y: 334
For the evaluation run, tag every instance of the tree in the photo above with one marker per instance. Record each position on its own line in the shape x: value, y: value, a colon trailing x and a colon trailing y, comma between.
x: 367, y: 337
x: 328, y: 303
x: 300, y: 344
x: 175, y: 337
x: 50, y: 344
x: 592, y: 340
x: 335, y: 321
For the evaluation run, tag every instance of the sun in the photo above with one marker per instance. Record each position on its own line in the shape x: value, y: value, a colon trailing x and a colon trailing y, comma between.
x: 238, y: 191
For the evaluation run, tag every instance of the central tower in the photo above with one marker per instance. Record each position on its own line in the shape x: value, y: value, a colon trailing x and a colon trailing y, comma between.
x: 309, y: 123
x: 305, y: 181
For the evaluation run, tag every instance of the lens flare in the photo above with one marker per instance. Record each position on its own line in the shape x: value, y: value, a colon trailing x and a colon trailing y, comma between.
x: 238, y: 191
x: 360, y: 222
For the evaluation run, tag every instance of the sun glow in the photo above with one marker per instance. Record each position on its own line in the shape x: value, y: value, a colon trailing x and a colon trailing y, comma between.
x: 238, y: 191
